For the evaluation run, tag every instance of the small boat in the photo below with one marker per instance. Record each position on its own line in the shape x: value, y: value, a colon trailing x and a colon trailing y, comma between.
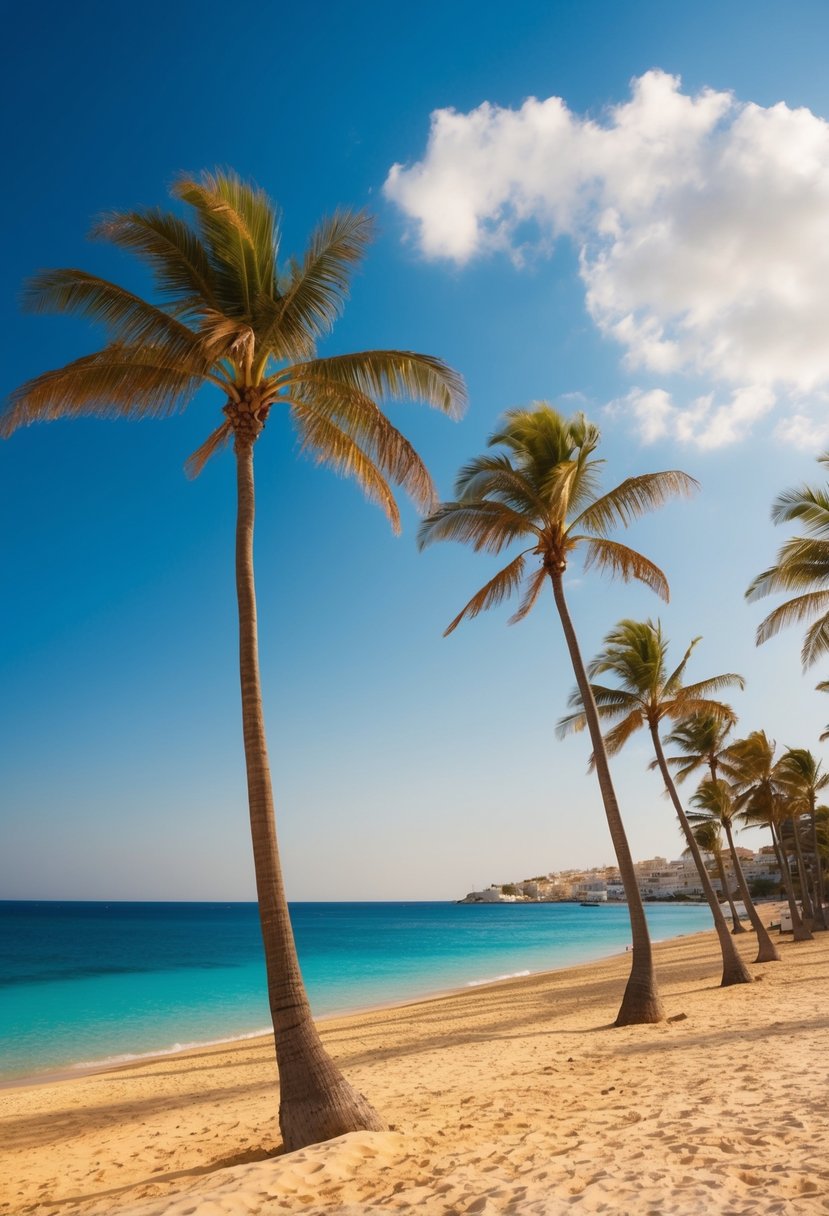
x: 591, y: 903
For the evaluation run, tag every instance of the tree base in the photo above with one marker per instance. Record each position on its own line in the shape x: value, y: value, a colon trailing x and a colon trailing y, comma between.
x: 736, y: 973
x: 641, y: 1004
x: 315, y: 1117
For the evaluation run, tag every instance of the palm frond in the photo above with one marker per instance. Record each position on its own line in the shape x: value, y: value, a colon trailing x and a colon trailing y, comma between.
x: 801, y: 562
x: 674, y: 681
x: 398, y: 375
x: 499, y: 588
x: 214, y: 443
x: 487, y: 526
x: 816, y: 642
x: 801, y: 608
x: 327, y: 444
x: 358, y: 416
x: 686, y: 705
x: 610, y: 702
x: 806, y: 504
x: 571, y: 724
x: 317, y: 287
x: 634, y: 497
x: 118, y: 382
x: 532, y: 590
x: 619, y: 561
x: 494, y: 477
x: 224, y: 206
x: 714, y: 684
x: 127, y: 318
x: 683, y: 767
x: 557, y: 487
x: 616, y: 738
x: 175, y: 254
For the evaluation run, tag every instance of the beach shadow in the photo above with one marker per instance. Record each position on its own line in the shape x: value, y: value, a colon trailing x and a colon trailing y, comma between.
x: 223, y: 1163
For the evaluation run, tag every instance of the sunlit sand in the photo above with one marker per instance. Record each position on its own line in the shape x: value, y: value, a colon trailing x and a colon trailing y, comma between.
x: 516, y: 1098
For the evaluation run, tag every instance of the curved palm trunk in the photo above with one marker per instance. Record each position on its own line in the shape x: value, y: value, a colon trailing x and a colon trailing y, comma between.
x: 805, y: 898
x: 316, y: 1101
x: 799, y: 931
x: 820, y: 913
x: 736, y: 924
x: 641, y: 1002
x: 767, y: 952
x: 734, y: 969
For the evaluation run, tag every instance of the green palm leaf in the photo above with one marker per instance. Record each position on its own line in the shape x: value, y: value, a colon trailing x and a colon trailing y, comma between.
x: 806, y: 504
x: 177, y: 258
x: 129, y: 320
x: 802, y: 608
x: 317, y: 287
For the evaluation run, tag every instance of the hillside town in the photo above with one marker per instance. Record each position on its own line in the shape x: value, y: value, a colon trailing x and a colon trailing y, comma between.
x: 658, y: 879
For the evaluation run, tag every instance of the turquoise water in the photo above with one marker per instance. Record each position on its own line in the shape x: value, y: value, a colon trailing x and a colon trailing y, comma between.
x: 82, y: 983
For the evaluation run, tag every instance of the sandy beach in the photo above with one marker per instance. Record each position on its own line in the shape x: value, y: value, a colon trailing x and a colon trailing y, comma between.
x: 515, y: 1098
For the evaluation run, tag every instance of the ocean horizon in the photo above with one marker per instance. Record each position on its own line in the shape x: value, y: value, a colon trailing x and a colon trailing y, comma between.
x: 90, y: 984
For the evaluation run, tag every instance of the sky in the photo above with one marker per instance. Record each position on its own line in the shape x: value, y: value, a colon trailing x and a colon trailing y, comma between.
x: 621, y: 209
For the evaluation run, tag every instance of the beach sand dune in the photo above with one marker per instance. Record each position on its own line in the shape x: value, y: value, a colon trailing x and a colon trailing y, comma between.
x: 515, y: 1098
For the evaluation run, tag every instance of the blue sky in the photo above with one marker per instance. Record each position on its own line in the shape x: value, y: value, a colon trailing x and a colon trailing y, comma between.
x: 405, y: 765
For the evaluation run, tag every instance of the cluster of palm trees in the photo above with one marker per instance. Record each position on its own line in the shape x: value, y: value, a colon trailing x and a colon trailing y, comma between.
x: 543, y: 488
x: 230, y: 315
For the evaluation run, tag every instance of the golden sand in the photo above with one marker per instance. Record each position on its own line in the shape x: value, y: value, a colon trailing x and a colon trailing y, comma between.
x: 516, y: 1098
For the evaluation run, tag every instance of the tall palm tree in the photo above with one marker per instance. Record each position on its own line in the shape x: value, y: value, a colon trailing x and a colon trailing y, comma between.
x: 802, y: 565
x: 543, y: 490
x: 230, y: 316
x: 762, y: 796
x: 803, y: 771
x: 701, y: 740
x: 635, y: 652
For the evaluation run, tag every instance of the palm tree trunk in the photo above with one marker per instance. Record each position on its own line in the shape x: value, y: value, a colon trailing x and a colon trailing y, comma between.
x: 799, y: 931
x: 805, y: 899
x: 736, y: 925
x: 641, y: 1002
x: 734, y: 969
x: 767, y: 952
x: 820, y: 914
x: 316, y: 1101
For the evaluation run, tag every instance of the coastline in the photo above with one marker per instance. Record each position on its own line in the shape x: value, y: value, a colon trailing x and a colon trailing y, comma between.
x: 519, y: 1092
x: 429, y: 989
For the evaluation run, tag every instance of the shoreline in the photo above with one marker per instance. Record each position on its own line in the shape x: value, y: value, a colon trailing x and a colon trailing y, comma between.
x: 127, y: 1060
x: 519, y: 1096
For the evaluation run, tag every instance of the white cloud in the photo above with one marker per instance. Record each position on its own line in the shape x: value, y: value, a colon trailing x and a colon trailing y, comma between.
x: 703, y: 423
x: 702, y: 224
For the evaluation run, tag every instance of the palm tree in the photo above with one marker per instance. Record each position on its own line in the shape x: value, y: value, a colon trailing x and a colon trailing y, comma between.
x: 802, y: 770
x: 708, y: 834
x: 229, y: 316
x: 762, y: 796
x: 802, y: 565
x: 701, y: 739
x: 543, y: 489
x: 636, y: 652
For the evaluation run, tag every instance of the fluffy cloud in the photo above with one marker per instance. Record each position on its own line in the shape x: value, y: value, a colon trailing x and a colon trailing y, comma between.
x: 702, y: 224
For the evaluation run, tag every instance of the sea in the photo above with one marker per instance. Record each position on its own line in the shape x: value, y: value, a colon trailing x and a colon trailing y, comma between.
x: 85, y: 985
